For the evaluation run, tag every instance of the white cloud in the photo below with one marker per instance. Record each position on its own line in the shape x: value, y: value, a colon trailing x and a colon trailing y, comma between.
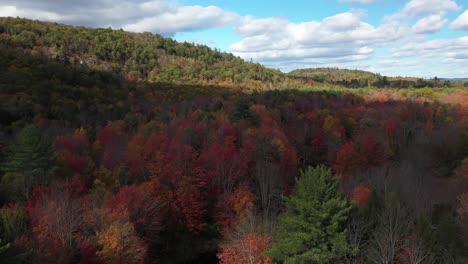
x: 251, y: 26
x: 428, y: 16
x: 337, y: 39
x: 12, y: 11
x: 415, y: 9
x: 158, y: 16
x: 184, y: 18
x: 429, y: 24
x: 461, y: 23
x: 392, y: 63
x: 420, y: 8
x: 343, y: 21
x: 445, y: 50
x: 345, y: 40
x: 367, y: 2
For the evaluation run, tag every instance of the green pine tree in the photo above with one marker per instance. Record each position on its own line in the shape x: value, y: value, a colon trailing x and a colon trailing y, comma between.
x: 11, y: 255
x: 312, y: 229
x: 30, y: 162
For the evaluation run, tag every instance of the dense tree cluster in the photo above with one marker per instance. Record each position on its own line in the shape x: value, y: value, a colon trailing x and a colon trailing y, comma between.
x: 96, y: 168
x: 176, y: 179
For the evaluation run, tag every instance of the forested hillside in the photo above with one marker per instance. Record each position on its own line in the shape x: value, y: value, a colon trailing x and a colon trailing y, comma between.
x: 141, y: 57
x: 99, y: 165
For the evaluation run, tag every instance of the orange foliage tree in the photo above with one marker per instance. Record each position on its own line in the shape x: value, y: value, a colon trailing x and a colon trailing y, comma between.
x: 463, y: 206
x: 249, y: 249
x: 120, y: 244
x: 236, y: 209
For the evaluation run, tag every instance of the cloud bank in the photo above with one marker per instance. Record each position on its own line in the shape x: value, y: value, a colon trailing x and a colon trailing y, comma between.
x: 403, y: 38
x: 461, y: 23
x: 158, y: 16
x: 339, y: 38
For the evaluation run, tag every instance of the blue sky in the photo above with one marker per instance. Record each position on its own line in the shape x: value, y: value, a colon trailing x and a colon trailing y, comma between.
x: 422, y: 38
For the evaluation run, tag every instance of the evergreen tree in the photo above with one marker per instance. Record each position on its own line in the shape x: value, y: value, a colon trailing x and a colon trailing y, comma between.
x: 11, y: 255
x: 30, y: 162
x: 312, y: 229
x: 242, y: 111
x: 3, y: 248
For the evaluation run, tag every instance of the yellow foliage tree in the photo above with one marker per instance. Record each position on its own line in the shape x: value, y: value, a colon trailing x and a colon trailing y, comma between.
x: 120, y: 244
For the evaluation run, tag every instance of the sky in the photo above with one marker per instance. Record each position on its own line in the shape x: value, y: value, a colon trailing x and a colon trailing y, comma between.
x: 420, y: 38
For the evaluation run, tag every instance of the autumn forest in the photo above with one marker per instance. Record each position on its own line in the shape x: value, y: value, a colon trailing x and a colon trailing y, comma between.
x: 120, y: 147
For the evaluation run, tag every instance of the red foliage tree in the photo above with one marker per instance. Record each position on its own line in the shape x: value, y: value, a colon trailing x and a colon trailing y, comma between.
x: 225, y: 164
x: 181, y: 173
x: 390, y: 126
x: 88, y: 253
x: 73, y: 149
x: 192, y: 202
x: 160, y: 161
x: 318, y: 140
x: 225, y: 216
x: 56, y: 215
x: 360, y: 195
x: 348, y: 160
x: 141, y: 205
x: 134, y: 157
x: 284, y: 153
x: 111, y: 147
x: 369, y: 148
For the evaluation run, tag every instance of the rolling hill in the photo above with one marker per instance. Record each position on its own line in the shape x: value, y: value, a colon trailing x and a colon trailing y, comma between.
x: 141, y: 57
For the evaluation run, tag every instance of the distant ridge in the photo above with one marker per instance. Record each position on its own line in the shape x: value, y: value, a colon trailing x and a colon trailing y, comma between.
x: 456, y: 79
x: 360, y: 78
x: 334, y: 74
